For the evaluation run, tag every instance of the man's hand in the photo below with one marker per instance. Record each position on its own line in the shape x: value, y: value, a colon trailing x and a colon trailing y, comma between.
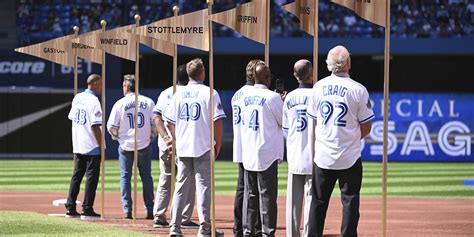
x: 282, y: 94
x: 169, y: 143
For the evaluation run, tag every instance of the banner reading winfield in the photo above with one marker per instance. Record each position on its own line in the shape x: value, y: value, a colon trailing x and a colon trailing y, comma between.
x: 116, y: 42
x: 190, y: 30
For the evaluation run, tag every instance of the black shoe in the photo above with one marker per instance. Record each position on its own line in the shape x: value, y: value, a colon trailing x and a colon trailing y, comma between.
x: 189, y: 225
x: 127, y: 215
x: 149, y: 216
x: 160, y: 223
x: 89, y: 214
x: 72, y: 214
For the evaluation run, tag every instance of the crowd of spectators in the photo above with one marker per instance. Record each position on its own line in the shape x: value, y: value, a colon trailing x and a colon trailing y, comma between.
x: 39, y: 20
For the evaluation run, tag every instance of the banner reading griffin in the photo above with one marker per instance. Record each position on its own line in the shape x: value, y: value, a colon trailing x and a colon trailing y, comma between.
x: 189, y: 30
x: 423, y: 127
x: 247, y: 19
x: 304, y: 10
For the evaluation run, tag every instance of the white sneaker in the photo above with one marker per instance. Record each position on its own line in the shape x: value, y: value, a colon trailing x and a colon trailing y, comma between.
x: 175, y: 231
x: 207, y: 233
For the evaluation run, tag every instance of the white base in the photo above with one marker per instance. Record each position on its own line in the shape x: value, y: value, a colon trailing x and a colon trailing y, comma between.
x: 60, y: 215
x: 62, y: 202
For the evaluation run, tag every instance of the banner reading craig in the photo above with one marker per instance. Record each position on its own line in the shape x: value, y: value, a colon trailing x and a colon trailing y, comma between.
x: 423, y: 127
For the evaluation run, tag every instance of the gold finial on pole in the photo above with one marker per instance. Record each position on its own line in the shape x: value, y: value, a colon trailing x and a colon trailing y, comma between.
x: 103, y: 23
x: 175, y: 9
x: 137, y: 17
x: 76, y: 33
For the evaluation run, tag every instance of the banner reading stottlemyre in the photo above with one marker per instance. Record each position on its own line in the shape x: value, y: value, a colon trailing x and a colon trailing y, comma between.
x: 423, y: 127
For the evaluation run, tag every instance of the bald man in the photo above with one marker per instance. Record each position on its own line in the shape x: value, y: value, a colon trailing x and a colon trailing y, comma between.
x: 86, y: 117
x: 342, y: 112
x: 298, y: 149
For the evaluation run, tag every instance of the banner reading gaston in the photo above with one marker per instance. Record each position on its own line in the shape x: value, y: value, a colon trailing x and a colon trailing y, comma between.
x: 53, y: 50
x: 189, y: 30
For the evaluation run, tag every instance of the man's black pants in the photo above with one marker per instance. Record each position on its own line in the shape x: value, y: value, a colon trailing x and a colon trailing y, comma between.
x: 238, y: 204
x: 350, y: 181
x: 90, y: 166
x: 261, y: 190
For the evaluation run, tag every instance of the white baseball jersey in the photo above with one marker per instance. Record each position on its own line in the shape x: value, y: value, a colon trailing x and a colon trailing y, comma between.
x: 162, y: 102
x: 189, y: 112
x: 122, y: 119
x: 340, y: 105
x: 237, y: 104
x: 262, y: 133
x: 85, y: 112
x: 295, y: 123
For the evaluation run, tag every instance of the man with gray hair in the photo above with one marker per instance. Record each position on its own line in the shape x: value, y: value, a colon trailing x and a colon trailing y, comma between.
x: 298, y: 147
x: 121, y: 126
x: 342, y: 112
x: 189, y: 123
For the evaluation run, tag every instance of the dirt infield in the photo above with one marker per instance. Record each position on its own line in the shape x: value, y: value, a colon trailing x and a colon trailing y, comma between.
x: 406, y: 217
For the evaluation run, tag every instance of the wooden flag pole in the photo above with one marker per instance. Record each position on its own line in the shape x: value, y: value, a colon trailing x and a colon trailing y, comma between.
x: 211, y: 106
x: 315, y: 68
x: 315, y: 40
x: 135, y: 121
x: 267, y: 33
x: 103, y: 23
x: 76, y: 32
x: 175, y: 82
x: 386, y: 90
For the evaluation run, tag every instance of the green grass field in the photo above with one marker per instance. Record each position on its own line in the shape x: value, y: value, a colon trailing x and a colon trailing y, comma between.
x: 426, y: 180
x: 34, y: 224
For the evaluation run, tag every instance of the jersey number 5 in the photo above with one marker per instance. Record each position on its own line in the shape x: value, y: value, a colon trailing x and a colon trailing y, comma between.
x: 301, y: 120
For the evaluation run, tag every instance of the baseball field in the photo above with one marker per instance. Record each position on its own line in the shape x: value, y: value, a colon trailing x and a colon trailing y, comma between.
x: 425, y: 199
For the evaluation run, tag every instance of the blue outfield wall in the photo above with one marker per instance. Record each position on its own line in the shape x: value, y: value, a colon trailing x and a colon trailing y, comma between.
x: 423, y: 127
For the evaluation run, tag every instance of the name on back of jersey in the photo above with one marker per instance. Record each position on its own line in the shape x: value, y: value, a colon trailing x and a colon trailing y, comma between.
x: 334, y: 90
x: 254, y: 100
x: 131, y: 105
x: 189, y: 94
x: 297, y: 100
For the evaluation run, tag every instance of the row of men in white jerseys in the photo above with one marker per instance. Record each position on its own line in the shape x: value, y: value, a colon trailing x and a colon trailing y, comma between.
x: 261, y: 120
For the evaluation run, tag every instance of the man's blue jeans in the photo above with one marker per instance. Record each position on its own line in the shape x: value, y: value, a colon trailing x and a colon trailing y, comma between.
x: 126, y: 168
